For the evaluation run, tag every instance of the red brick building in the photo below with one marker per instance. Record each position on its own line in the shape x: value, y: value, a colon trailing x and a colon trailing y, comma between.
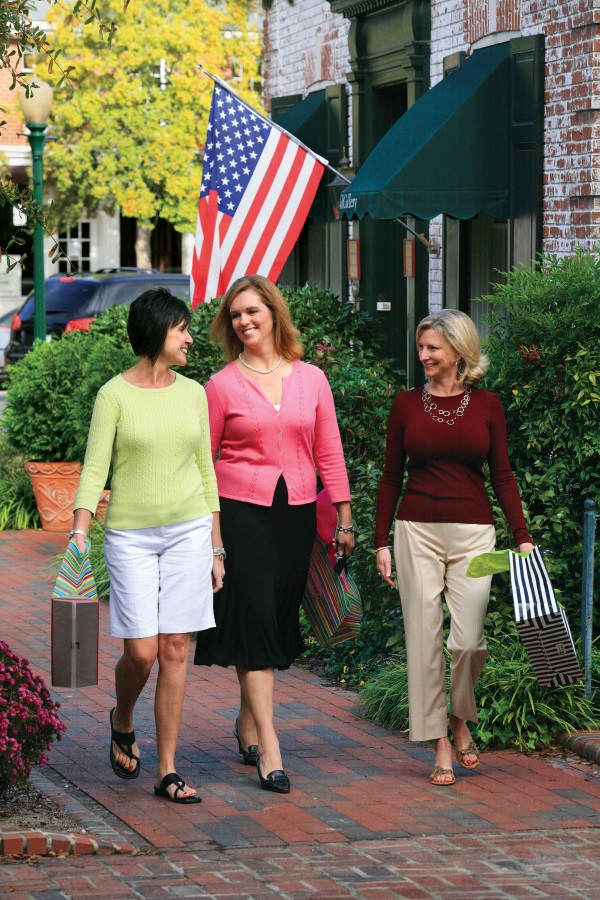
x: 535, y: 111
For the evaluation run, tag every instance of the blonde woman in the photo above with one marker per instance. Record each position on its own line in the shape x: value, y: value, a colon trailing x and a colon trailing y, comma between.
x: 442, y: 434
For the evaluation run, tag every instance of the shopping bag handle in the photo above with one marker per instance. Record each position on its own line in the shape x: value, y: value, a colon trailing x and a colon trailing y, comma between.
x: 341, y: 564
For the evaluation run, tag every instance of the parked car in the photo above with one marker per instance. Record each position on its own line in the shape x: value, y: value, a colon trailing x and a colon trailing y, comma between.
x: 73, y: 301
x: 5, y: 329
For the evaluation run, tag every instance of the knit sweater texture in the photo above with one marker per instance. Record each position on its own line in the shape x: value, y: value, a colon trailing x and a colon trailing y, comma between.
x: 444, y: 464
x: 158, y: 443
x: 258, y: 443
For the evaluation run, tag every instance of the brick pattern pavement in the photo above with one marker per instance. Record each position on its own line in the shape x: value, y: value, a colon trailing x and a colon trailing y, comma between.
x: 361, y: 821
x: 551, y: 864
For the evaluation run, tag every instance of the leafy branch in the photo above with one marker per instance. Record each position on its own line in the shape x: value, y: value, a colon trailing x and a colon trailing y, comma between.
x: 20, y: 37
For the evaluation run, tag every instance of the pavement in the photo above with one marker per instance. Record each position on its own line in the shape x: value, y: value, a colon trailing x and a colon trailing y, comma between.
x: 362, y: 820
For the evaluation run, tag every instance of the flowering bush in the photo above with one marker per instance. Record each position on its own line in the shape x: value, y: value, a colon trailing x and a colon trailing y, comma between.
x: 28, y: 720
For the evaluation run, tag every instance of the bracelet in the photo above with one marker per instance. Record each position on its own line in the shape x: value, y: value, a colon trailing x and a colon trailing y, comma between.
x: 386, y: 547
x: 345, y: 529
x: 77, y: 531
x: 219, y: 551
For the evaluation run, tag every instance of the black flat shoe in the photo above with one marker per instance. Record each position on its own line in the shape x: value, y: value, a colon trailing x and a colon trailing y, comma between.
x: 125, y: 742
x: 177, y: 780
x: 276, y: 781
x: 250, y: 756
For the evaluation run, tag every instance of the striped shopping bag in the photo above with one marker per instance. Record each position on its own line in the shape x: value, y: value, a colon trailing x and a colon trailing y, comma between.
x: 331, y: 600
x: 75, y: 622
x: 541, y: 622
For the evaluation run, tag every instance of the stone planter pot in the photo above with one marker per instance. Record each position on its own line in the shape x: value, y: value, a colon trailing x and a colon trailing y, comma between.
x: 55, y: 486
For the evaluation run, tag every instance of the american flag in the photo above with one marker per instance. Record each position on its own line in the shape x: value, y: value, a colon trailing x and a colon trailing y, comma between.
x: 257, y: 188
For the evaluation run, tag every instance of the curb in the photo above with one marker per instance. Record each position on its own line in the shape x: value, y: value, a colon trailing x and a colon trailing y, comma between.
x: 584, y: 743
x: 44, y: 843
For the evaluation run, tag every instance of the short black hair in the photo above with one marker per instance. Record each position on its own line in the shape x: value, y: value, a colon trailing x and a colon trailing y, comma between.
x: 150, y: 317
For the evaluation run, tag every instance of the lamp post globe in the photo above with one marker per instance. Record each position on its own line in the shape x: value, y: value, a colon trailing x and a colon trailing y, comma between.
x: 35, y: 100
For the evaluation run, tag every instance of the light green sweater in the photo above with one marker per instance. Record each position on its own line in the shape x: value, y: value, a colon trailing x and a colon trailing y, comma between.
x: 159, y: 443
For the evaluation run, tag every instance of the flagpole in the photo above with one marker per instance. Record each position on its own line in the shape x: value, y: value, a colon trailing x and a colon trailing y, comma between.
x: 431, y: 246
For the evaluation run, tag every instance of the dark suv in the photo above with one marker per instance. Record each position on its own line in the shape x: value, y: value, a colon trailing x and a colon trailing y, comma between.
x: 72, y: 301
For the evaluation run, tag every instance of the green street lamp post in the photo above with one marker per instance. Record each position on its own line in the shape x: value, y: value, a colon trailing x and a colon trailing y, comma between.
x: 36, y: 109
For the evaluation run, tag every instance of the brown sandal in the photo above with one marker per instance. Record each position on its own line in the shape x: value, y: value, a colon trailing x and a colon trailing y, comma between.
x: 440, y: 770
x: 470, y: 750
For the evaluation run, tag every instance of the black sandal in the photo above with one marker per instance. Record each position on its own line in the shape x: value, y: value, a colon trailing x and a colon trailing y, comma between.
x: 124, y: 742
x: 174, y: 778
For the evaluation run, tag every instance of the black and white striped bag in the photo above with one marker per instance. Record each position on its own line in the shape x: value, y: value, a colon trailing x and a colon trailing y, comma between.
x: 541, y: 622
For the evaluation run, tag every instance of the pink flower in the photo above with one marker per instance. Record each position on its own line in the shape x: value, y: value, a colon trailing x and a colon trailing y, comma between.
x: 28, y: 720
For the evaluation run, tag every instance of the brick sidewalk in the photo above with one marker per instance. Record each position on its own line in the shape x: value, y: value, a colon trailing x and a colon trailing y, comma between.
x: 360, y: 795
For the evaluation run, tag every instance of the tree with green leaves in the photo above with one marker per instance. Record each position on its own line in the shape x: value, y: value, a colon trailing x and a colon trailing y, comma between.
x: 130, y: 137
x: 20, y: 36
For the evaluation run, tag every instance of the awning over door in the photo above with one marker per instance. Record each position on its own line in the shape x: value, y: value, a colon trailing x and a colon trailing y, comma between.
x: 307, y: 121
x: 449, y: 153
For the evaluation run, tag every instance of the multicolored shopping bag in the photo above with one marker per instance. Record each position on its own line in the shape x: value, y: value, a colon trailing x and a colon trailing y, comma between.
x: 331, y: 600
x: 75, y: 622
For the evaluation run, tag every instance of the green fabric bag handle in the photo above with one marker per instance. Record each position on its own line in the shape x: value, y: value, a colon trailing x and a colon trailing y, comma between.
x: 491, y: 563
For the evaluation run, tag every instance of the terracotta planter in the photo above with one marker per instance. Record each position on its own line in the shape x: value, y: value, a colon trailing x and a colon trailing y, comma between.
x: 100, y: 513
x: 55, y: 486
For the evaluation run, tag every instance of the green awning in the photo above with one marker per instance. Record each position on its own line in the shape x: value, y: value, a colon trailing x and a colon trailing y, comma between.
x: 449, y: 153
x: 307, y: 121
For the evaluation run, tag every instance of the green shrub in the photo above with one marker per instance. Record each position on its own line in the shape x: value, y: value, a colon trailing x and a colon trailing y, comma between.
x: 40, y: 420
x: 514, y: 710
x: 18, y: 508
x: 544, y: 349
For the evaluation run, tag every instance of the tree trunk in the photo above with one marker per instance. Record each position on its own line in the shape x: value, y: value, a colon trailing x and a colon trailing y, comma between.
x: 143, y: 256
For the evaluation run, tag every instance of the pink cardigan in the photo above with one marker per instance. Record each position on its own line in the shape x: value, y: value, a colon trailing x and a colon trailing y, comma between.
x: 258, y: 444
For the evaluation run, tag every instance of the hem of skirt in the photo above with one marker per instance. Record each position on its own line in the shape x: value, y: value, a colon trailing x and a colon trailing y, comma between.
x: 239, y: 664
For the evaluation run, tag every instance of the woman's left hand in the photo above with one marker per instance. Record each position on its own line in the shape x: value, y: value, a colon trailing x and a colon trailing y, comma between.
x: 525, y: 548
x: 344, y: 543
x: 218, y: 573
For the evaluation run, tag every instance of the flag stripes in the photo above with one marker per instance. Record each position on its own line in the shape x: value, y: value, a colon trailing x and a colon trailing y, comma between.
x: 257, y: 189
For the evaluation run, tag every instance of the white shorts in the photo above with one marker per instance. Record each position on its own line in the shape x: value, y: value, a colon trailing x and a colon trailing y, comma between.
x: 160, y: 579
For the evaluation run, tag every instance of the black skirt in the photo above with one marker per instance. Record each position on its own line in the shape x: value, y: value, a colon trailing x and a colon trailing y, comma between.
x: 257, y: 610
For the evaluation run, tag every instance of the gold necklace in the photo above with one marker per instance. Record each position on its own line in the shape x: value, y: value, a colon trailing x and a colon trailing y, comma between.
x: 442, y: 415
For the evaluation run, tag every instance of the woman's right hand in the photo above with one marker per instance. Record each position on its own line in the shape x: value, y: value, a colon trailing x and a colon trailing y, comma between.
x: 383, y: 560
x: 218, y: 573
x: 81, y: 522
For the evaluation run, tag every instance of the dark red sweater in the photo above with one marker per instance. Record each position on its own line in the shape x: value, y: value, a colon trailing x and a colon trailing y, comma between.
x: 445, y: 465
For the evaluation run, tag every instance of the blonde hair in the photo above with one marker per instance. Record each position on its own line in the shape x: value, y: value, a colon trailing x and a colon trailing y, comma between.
x: 284, y: 331
x: 458, y: 329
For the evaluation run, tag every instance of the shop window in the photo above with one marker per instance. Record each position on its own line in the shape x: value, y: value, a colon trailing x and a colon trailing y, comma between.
x: 75, y: 242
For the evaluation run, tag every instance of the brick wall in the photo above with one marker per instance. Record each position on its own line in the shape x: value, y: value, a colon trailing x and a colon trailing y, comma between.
x: 304, y: 43
x: 10, y: 132
x: 572, y: 105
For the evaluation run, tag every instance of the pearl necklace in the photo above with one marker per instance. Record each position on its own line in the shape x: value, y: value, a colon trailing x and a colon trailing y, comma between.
x: 259, y: 371
x: 437, y: 414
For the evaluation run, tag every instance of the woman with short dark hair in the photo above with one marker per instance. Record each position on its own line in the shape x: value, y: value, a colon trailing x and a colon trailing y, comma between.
x: 152, y: 425
x: 272, y: 421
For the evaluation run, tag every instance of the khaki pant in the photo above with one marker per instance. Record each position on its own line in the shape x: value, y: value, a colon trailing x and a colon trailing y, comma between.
x: 431, y: 561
